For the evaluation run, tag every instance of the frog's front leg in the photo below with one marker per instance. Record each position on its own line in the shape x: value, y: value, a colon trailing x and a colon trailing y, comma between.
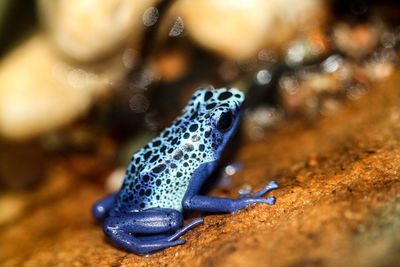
x: 147, y: 231
x: 216, y: 204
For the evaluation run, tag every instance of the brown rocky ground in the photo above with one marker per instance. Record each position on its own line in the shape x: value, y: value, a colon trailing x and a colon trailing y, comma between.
x: 338, y: 205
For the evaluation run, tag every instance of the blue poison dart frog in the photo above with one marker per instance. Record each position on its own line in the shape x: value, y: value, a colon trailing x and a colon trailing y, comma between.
x: 163, y: 179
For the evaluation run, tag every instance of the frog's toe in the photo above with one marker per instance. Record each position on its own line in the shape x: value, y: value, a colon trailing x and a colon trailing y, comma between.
x: 272, y: 185
x: 186, y: 229
x: 270, y: 200
x: 177, y: 242
x: 267, y: 200
x: 269, y: 187
x: 152, y: 247
x: 149, y: 247
x: 244, y: 202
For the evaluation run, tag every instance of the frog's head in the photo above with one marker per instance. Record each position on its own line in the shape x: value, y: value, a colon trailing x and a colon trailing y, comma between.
x: 214, y: 115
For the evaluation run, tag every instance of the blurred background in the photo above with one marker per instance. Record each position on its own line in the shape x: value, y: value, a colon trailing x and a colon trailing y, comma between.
x: 84, y: 83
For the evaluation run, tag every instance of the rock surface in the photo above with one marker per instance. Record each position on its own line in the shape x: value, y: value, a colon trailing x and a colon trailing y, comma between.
x: 338, y: 205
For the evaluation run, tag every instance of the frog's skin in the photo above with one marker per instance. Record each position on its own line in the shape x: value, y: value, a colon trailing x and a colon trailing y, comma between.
x: 163, y: 179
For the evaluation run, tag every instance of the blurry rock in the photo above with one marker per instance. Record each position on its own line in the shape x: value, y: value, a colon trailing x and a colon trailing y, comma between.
x: 357, y: 41
x: 307, y: 48
x: 310, y: 93
x: 381, y: 64
x: 11, y: 207
x: 39, y: 92
x: 257, y: 121
x: 89, y: 30
x: 239, y: 29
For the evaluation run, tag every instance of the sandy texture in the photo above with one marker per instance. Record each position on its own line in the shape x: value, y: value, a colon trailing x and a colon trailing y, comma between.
x: 338, y: 205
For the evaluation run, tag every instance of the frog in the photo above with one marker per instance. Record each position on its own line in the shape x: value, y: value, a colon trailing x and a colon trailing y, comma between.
x: 164, y: 179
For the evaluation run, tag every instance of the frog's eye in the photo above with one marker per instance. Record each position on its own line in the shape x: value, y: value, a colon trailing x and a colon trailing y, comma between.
x: 225, y: 121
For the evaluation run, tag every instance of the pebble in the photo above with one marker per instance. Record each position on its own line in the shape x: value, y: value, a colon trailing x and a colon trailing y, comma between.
x: 40, y: 92
x: 115, y: 179
x: 11, y: 207
x: 238, y: 29
x: 90, y: 30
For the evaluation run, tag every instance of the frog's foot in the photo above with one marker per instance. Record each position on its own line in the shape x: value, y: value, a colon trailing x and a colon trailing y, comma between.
x: 217, y: 204
x: 248, y: 199
x: 269, y: 187
x: 147, y: 231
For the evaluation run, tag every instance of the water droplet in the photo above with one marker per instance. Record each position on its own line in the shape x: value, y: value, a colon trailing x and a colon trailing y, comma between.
x: 231, y: 169
x: 296, y: 53
x: 388, y: 40
x: 263, y: 77
x: 143, y: 80
x: 267, y: 55
x: 150, y: 16
x: 177, y: 28
x: 245, y: 190
x: 332, y: 63
x: 139, y: 103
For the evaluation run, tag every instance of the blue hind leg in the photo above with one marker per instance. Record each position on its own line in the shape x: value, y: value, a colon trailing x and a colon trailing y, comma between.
x: 147, y: 231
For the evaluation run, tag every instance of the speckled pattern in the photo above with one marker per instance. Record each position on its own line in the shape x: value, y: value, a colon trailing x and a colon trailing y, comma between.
x: 159, y: 174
